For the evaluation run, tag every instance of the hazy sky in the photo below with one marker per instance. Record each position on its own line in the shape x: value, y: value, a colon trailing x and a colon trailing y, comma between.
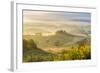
x: 31, y: 16
x: 35, y: 21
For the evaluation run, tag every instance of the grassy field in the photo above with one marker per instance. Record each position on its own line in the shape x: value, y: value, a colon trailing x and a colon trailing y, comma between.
x: 59, y: 47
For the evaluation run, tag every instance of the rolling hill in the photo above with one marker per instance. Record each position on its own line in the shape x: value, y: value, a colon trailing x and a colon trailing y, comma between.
x: 60, y: 39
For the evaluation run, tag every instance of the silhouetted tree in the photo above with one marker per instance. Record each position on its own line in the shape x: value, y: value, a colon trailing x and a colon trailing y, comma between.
x: 32, y: 44
x: 25, y: 46
x: 61, y: 32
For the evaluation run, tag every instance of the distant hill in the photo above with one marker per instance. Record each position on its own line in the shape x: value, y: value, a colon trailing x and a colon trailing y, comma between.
x: 60, y: 39
x: 81, y: 29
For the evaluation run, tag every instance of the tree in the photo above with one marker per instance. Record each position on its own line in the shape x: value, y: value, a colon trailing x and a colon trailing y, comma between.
x: 25, y: 46
x: 61, y: 32
x: 32, y: 44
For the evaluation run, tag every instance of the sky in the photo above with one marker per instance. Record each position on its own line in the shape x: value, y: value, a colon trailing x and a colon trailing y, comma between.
x: 48, y: 21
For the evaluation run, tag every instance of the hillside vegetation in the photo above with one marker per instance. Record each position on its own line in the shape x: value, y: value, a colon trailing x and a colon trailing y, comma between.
x: 59, y: 47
